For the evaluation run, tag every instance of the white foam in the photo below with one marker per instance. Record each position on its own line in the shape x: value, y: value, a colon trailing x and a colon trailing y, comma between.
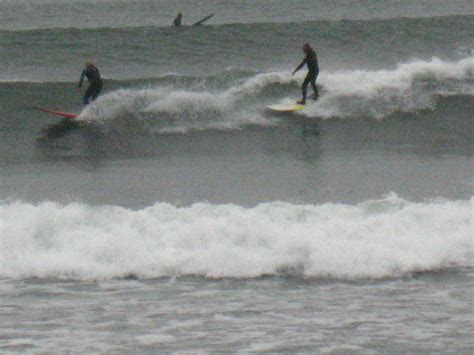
x: 380, y: 93
x: 380, y: 238
x: 180, y: 110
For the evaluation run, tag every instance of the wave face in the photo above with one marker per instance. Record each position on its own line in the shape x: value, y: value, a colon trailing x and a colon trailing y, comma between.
x: 234, y: 100
x: 383, y: 238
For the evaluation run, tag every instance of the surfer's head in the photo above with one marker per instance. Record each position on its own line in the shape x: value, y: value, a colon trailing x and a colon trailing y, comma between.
x: 89, y: 64
x: 306, y: 47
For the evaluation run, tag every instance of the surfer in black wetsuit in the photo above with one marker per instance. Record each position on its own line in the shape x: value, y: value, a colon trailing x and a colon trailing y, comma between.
x: 177, y: 20
x: 95, y: 82
x: 311, y: 60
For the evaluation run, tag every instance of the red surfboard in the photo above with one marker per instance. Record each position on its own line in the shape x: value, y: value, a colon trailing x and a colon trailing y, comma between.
x: 57, y: 113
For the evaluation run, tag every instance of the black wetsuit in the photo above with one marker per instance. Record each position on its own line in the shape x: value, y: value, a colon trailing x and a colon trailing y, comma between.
x: 311, y: 60
x: 177, y: 20
x: 93, y: 75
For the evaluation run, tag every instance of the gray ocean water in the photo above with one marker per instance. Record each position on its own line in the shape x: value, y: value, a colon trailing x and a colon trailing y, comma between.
x: 179, y: 215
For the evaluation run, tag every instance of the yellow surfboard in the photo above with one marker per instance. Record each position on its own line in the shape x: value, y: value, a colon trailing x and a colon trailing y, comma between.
x: 286, y: 107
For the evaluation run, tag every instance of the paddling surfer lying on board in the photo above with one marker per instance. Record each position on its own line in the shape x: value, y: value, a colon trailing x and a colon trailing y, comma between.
x: 177, y: 22
x: 178, y: 19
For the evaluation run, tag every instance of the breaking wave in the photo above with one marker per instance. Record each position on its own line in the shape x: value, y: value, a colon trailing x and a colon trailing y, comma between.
x: 390, y: 237
x: 411, y: 87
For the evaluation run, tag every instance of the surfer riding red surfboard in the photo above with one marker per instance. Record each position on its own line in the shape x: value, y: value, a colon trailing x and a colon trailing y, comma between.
x: 95, y: 82
x: 95, y: 86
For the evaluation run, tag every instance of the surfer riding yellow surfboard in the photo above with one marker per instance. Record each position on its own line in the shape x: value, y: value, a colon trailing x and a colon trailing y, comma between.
x: 311, y: 60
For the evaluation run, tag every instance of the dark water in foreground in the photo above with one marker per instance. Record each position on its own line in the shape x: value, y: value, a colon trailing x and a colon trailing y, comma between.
x: 269, y: 314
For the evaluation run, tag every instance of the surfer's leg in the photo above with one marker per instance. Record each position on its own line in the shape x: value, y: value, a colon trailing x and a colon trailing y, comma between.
x: 89, y: 93
x: 313, y: 84
x: 96, y: 91
x: 304, y: 89
x: 92, y: 92
x: 86, y: 99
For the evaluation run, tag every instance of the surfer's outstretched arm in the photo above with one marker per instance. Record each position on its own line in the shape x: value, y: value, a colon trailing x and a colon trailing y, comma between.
x: 299, y: 66
x: 83, y: 74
